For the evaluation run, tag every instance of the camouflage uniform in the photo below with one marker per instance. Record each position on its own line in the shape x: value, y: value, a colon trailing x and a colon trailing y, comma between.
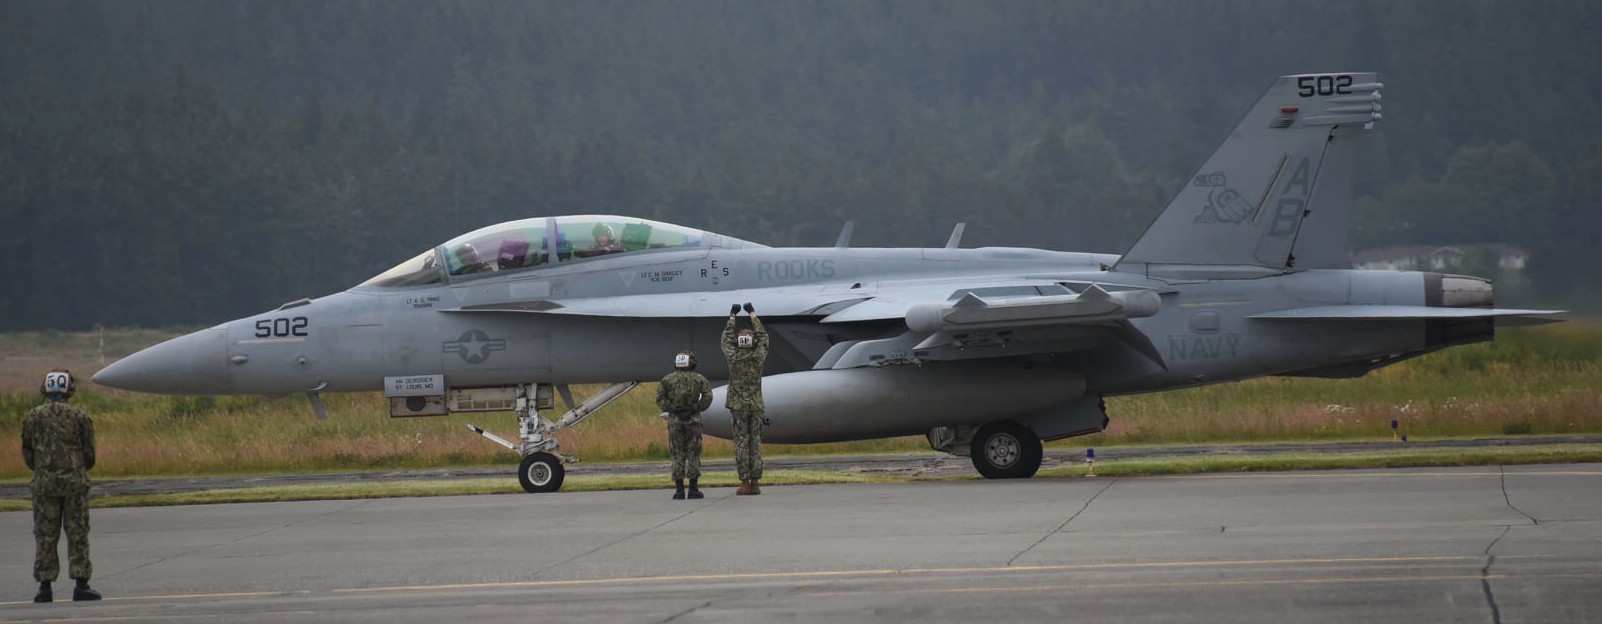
x: 744, y: 399
x: 684, y: 395
x: 58, y: 444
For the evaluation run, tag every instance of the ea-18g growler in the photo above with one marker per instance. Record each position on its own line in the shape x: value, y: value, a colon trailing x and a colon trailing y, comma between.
x: 986, y: 351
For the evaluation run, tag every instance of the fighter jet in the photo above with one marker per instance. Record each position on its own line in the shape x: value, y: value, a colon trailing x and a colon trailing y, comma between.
x: 986, y: 352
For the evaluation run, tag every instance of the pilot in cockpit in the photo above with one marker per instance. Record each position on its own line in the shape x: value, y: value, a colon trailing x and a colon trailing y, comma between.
x: 605, y: 240
x: 468, y: 261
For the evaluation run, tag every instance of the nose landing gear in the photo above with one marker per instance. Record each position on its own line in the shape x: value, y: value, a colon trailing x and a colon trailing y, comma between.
x: 542, y: 467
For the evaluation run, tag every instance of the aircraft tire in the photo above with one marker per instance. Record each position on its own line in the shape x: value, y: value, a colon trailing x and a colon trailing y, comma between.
x: 541, y: 472
x: 1006, y: 450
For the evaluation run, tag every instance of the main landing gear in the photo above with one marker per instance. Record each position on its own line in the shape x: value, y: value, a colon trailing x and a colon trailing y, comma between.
x: 1005, y: 450
x: 1002, y: 449
x: 541, y: 469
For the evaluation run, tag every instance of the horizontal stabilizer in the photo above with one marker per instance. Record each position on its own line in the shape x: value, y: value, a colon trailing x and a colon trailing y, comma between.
x: 1405, y: 313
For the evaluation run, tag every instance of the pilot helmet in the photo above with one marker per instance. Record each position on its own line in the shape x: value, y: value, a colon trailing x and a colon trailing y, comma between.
x: 746, y: 339
x: 602, y: 230
x: 467, y: 253
x: 684, y: 360
x: 58, y: 385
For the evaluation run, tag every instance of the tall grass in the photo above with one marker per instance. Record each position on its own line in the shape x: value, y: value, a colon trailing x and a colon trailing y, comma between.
x: 1542, y: 380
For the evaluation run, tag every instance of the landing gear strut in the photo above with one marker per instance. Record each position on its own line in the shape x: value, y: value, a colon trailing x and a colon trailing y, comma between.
x: 541, y: 469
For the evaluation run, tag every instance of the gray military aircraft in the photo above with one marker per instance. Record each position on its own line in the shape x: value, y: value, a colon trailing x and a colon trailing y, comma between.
x: 985, y: 351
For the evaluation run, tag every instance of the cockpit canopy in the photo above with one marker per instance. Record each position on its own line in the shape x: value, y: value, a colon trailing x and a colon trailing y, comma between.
x: 529, y: 243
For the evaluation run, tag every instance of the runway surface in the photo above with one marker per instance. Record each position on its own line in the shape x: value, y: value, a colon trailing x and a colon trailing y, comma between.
x: 1514, y: 544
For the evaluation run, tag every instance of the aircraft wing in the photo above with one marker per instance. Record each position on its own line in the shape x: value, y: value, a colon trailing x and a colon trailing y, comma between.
x: 1503, y: 316
x: 938, y: 320
x: 770, y: 302
x: 871, y: 302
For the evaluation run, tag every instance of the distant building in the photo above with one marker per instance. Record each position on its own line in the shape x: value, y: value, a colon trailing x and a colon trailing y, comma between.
x: 1437, y: 257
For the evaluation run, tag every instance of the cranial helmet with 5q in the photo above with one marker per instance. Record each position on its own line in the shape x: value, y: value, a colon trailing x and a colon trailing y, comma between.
x: 746, y: 339
x: 58, y: 384
x: 684, y: 361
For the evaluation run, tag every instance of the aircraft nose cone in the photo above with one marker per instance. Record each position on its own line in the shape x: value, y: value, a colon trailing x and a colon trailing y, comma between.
x: 192, y: 364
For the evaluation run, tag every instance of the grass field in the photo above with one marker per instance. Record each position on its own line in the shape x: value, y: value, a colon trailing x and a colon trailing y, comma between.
x: 1545, y: 380
x: 1395, y: 457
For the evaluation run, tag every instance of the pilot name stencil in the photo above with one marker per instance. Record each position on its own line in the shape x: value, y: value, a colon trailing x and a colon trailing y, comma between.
x: 660, y: 276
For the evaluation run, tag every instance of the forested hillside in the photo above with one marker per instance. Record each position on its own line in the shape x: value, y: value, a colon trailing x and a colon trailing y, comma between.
x: 190, y: 162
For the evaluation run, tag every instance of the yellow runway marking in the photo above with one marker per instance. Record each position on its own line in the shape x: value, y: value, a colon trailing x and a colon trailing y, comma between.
x: 628, y: 579
x: 1175, y: 584
x: 919, y: 571
x: 1355, y: 475
x: 883, y: 572
x: 168, y: 617
x: 292, y: 592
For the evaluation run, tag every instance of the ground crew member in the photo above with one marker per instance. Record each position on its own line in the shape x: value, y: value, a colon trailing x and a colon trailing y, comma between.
x: 746, y: 351
x: 58, y: 445
x: 682, y: 396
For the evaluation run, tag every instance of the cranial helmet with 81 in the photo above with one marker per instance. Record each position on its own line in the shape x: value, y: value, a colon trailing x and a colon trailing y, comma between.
x: 58, y: 382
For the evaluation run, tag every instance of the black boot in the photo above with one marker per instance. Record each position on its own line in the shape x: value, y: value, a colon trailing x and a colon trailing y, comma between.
x: 82, y: 591
x: 695, y: 490
x: 44, y: 595
x: 678, y: 489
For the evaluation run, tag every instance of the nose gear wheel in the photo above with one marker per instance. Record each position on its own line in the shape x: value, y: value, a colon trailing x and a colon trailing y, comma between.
x: 541, y: 469
x: 541, y: 472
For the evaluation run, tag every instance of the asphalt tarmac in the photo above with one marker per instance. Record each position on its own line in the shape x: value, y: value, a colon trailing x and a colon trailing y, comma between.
x: 1482, y: 544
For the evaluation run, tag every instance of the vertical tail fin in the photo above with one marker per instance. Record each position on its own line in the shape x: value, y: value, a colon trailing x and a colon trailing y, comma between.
x: 1275, y: 195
